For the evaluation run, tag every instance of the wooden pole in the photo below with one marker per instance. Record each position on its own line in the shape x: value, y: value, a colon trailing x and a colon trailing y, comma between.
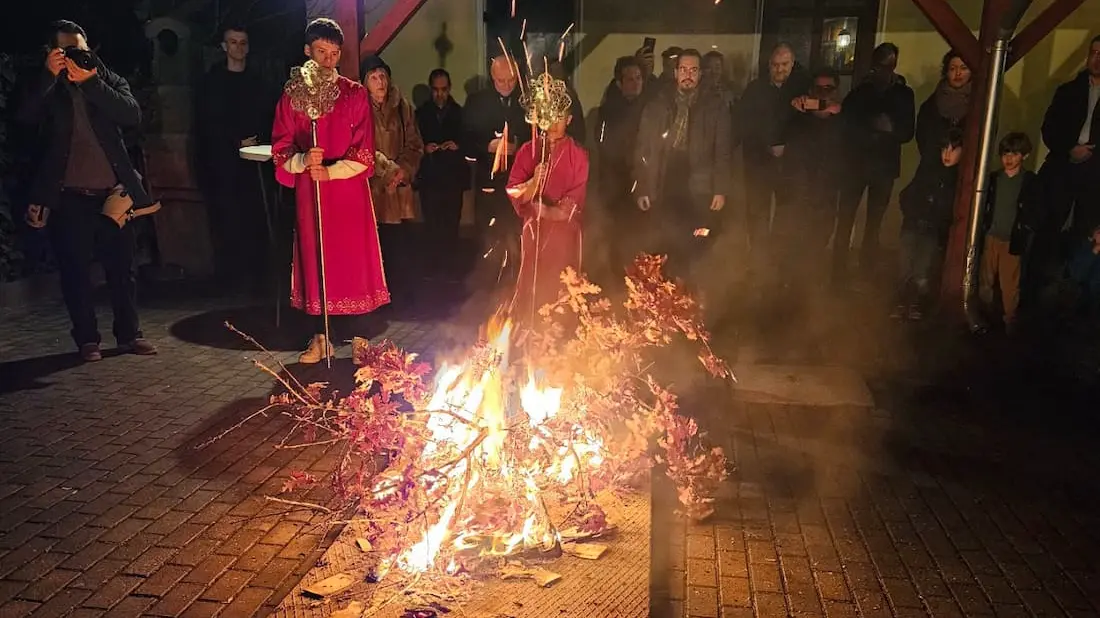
x: 951, y: 285
x: 952, y: 28
x: 1039, y: 28
x: 384, y: 32
x: 347, y: 15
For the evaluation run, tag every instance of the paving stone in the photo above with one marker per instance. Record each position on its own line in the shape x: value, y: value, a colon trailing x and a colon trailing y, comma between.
x: 227, y: 586
x: 45, y: 586
x: 112, y: 592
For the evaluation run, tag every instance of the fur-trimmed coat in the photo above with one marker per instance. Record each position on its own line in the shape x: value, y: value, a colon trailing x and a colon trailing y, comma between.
x: 397, y: 145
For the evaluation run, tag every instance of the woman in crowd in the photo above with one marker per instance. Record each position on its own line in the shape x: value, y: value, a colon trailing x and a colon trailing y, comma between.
x: 945, y: 109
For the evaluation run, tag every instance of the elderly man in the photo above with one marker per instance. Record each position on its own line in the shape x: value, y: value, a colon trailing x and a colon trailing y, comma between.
x: 496, y: 125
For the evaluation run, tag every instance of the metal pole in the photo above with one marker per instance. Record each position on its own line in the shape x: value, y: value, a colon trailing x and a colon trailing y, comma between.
x: 320, y: 252
x: 997, y: 64
x: 273, y: 249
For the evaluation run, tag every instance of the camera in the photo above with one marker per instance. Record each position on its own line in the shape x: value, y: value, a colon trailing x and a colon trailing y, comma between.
x: 81, y: 57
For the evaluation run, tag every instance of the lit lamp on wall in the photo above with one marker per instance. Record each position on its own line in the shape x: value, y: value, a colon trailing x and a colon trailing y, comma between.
x: 843, y: 39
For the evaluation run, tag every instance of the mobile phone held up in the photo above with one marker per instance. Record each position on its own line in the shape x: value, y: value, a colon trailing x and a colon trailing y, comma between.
x: 649, y: 44
x: 81, y: 57
x: 816, y: 105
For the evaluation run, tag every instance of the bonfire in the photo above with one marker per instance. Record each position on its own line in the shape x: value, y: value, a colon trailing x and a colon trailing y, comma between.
x: 502, y: 453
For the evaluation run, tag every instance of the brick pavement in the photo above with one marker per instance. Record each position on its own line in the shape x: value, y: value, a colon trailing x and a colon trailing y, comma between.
x: 107, y: 506
x: 968, y: 495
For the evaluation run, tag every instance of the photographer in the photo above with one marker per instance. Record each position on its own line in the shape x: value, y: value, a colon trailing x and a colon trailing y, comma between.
x: 86, y: 189
x: 816, y: 167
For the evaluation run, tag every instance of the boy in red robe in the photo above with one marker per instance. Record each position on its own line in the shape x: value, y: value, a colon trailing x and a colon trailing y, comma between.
x: 547, y: 185
x: 341, y: 162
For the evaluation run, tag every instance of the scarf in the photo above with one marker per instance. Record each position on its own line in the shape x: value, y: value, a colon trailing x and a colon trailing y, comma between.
x: 952, y: 103
x: 684, y: 101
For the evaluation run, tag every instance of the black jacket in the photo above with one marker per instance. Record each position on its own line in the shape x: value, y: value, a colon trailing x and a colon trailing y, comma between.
x: 616, y: 135
x: 442, y: 169
x: 876, y: 153
x: 816, y: 156
x: 1028, y: 206
x: 484, y: 117
x: 764, y: 114
x: 1064, y: 118
x: 932, y: 129
x: 928, y: 201
x: 111, y: 108
x: 708, y: 150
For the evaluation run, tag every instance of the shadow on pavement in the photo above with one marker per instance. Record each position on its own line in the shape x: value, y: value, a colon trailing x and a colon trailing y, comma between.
x: 209, y: 329
x: 35, y: 373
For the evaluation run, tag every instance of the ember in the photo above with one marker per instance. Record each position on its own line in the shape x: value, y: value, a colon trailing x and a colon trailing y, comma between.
x: 506, y: 456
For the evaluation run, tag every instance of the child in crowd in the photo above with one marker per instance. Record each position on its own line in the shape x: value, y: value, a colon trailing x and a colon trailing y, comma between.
x: 927, y: 205
x: 1011, y: 208
x: 1084, y: 270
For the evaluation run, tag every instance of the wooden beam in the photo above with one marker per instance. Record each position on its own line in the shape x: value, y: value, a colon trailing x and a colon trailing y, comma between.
x: 1039, y: 28
x: 952, y: 28
x: 347, y: 15
x: 384, y: 32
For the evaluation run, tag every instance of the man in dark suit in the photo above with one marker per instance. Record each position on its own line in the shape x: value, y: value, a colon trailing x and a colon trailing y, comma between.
x: 83, y: 107
x: 444, y: 174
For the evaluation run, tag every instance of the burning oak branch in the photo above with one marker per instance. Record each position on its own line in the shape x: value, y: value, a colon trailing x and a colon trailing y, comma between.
x: 504, y: 453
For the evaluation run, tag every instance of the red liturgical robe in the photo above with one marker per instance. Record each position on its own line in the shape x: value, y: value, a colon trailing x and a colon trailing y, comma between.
x: 354, y: 277
x: 551, y: 238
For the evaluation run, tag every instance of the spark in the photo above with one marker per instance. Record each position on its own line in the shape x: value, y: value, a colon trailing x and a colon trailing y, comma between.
x: 487, y: 189
x: 514, y: 8
x: 487, y: 253
x: 634, y: 186
x: 523, y: 29
x: 472, y: 159
x: 492, y: 222
x: 561, y: 50
x: 664, y: 135
x: 566, y: 33
x: 603, y: 125
x: 702, y: 232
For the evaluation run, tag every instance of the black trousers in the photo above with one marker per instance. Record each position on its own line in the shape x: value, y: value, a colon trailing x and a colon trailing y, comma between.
x: 442, y: 210
x: 765, y: 178
x: 878, y: 191
x: 499, y: 228
x: 238, y: 224
x: 79, y: 234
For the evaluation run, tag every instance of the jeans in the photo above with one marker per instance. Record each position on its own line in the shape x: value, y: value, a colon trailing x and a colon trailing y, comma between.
x: 879, y: 191
x: 80, y: 233
x: 920, y: 249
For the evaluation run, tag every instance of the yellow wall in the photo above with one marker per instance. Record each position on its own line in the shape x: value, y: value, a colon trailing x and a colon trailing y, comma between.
x: 412, y: 54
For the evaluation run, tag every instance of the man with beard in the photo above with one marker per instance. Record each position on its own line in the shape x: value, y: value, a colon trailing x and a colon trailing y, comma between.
x: 764, y: 114
x: 682, y: 163
x: 234, y: 108
x: 444, y: 174
x: 880, y: 115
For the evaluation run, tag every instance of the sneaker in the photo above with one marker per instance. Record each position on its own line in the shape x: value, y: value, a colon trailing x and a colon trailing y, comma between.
x: 139, y: 346
x: 91, y: 353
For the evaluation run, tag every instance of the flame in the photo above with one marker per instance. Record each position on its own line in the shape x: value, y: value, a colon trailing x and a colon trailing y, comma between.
x: 498, y: 449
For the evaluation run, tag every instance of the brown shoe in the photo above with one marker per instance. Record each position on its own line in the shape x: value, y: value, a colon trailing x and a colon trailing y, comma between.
x: 315, y: 353
x: 91, y: 353
x: 139, y: 346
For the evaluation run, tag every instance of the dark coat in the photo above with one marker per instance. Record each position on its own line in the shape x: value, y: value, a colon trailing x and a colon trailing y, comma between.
x: 616, y: 138
x: 816, y: 155
x: 928, y: 201
x: 932, y: 130
x: 484, y: 117
x: 709, y: 148
x: 111, y: 108
x: 1028, y: 210
x: 875, y: 153
x: 1064, y: 118
x: 442, y: 169
x: 764, y: 114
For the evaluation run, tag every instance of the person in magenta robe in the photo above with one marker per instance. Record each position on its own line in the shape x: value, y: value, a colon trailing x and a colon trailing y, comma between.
x: 342, y: 162
x: 547, y: 185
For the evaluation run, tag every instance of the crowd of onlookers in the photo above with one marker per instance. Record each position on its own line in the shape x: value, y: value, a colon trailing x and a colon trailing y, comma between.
x: 665, y: 150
